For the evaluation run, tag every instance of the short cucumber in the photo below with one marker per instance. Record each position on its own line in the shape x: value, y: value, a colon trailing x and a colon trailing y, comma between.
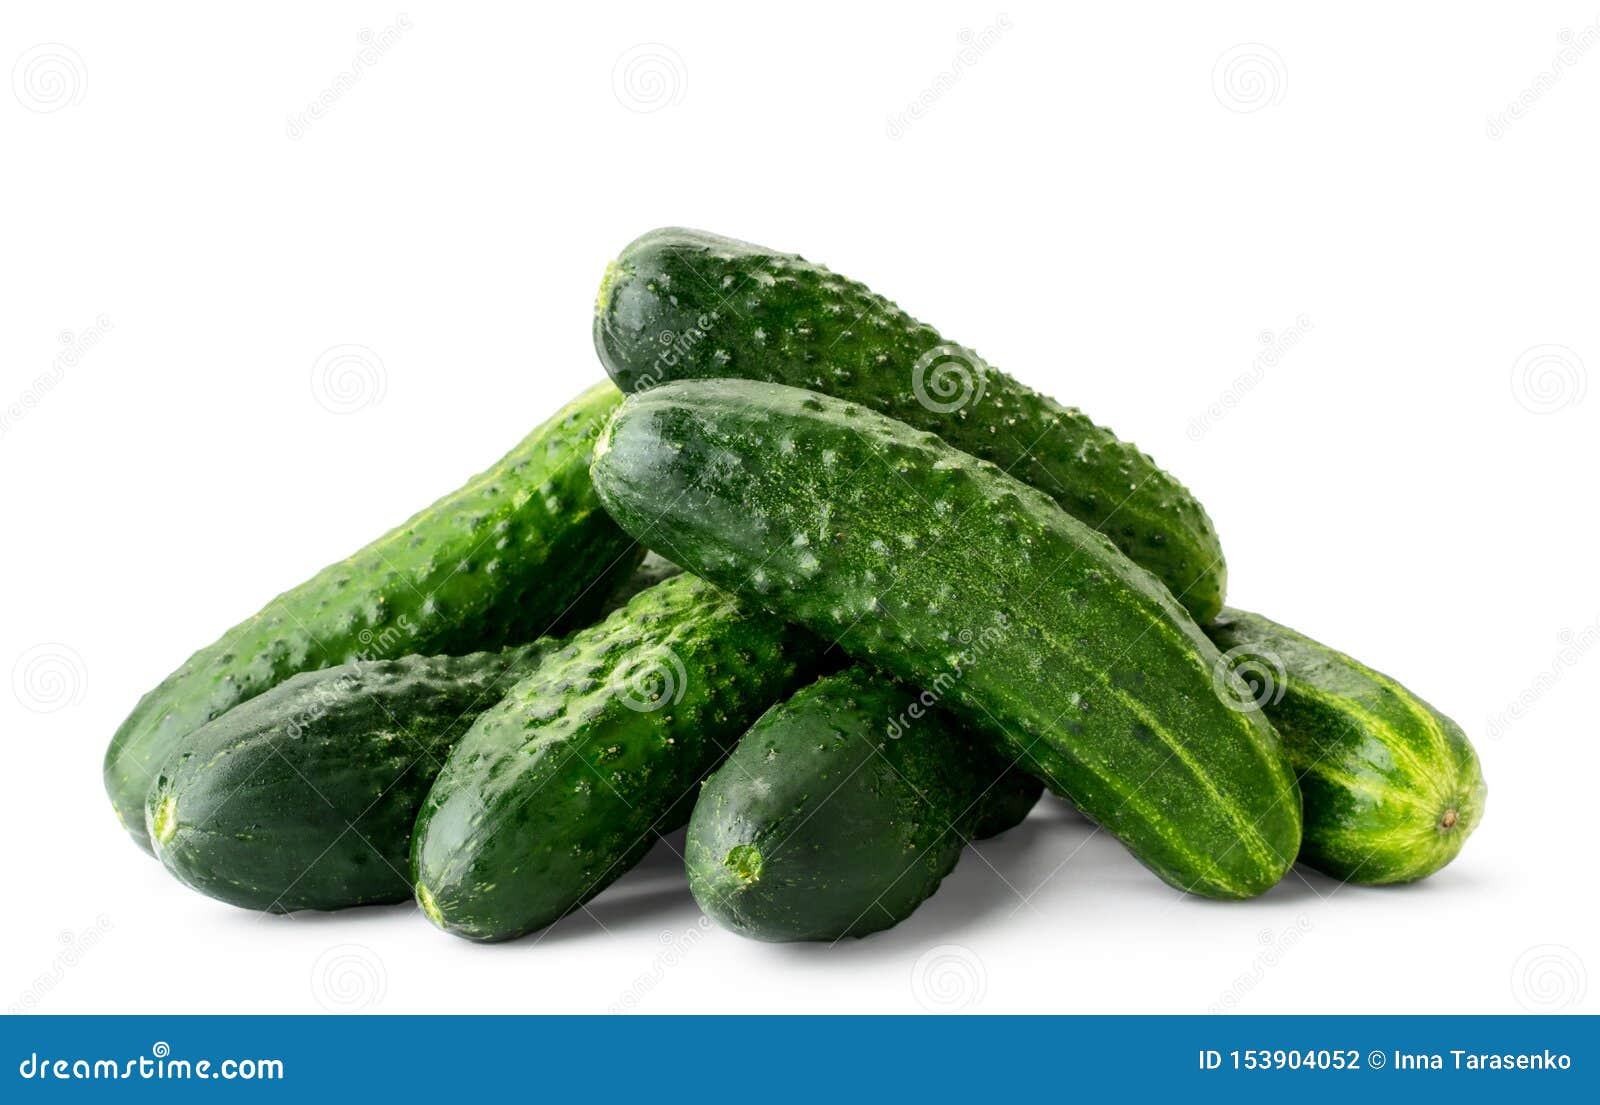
x: 823, y: 824
x: 567, y: 782
x: 683, y: 304
x: 1392, y: 787
x: 304, y: 796
x: 942, y: 570
x: 518, y: 551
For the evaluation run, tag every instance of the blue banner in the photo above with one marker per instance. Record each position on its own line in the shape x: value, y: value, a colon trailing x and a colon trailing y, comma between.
x: 807, y: 1059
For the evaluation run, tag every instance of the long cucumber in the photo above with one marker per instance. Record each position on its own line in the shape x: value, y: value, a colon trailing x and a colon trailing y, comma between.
x: 687, y: 305
x: 520, y: 550
x: 940, y: 569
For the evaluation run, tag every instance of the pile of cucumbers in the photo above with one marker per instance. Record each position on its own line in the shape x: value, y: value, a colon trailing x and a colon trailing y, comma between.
x: 891, y: 593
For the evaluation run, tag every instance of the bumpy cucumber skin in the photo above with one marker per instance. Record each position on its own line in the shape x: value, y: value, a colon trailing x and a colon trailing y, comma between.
x: 683, y: 304
x: 1392, y: 787
x: 921, y: 560
x: 304, y: 797
x: 821, y: 826
x: 565, y: 784
x: 520, y: 550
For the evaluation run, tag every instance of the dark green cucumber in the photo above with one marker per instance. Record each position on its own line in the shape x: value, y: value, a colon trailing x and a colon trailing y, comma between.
x: 822, y: 824
x: 683, y: 304
x: 939, y: 568
x: 1392, y: 787
x: 304, y: 797
x: 566, y: 783
x: 516, y: 552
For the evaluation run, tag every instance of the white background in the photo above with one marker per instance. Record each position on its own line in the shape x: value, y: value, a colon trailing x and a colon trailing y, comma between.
x: 1094, y: 203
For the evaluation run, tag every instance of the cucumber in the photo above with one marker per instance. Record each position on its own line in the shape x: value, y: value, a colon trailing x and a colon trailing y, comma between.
x: 942, y: 570
x: 822, y: 824
x: 568, y: 781
x: 1392, y: 787
x: 683, y: 304
x: 304, y: 796
x: 518, y: 551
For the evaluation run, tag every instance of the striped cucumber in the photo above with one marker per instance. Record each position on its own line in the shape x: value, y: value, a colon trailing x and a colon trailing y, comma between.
x: 824, y: 824
x: 1392, y: 787
x: 939, y: 568
x: 683, y: 304
x: 567, y: 782
x: 520, y: 550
